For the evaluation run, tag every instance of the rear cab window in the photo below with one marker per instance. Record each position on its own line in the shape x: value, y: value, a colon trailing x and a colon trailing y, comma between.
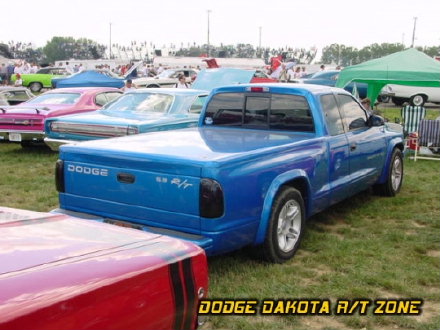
x: 260, y: 111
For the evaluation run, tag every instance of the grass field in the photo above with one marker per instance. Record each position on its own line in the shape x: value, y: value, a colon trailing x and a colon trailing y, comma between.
x: 366, y: 247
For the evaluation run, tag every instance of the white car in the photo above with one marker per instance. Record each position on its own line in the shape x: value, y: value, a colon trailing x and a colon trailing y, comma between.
x: 167, y: 78
x: 416, y: 96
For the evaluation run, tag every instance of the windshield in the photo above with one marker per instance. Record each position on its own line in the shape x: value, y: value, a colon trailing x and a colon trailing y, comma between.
x: 167, y: 74
x: 142, y: 102
x: 56, y: 98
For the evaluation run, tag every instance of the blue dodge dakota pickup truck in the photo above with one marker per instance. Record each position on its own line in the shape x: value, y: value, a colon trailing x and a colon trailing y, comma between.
x: 262, y: 160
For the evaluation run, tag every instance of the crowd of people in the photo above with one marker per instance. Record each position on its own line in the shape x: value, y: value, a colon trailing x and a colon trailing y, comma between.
x: 18, y: 68
x: 145, y: 50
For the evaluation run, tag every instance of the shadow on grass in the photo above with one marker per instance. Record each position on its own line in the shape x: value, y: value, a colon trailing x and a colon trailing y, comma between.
x: 35, y: 149
x: 328, y: 217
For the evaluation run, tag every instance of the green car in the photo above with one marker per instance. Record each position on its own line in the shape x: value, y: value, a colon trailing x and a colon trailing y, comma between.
x: 41, y: 79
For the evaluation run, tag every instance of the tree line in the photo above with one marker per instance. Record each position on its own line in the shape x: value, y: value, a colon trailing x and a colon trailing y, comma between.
x: 347, y: 55
x: 62, y: 48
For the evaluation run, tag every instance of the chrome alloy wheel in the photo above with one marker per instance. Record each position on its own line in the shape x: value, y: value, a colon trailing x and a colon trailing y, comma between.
x: 289, y: 225
x: 396, y: 173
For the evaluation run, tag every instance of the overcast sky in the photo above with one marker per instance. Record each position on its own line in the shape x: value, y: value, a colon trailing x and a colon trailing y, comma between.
x: 303, y: 24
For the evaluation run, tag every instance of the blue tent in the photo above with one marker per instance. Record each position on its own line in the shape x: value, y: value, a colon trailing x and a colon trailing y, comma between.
x: 88, y: 79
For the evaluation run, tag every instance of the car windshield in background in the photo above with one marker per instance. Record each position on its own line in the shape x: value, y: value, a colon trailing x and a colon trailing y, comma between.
x: 142, y: 102
x: 283, y: 112
x: 56, y: 98
x: 325, y: 75
x: 167, y: 74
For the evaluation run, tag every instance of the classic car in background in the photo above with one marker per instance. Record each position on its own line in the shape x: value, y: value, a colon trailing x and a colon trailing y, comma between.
x: 137, y: 111
x: 24, y: 123
x: 328, y: 78
x: 89, y: 78
x: 258, y: 77
x: 61, y: 272
x: 14, y: 95
x: 168, y: 78
x: 416, y: 96
x: 42, y: 78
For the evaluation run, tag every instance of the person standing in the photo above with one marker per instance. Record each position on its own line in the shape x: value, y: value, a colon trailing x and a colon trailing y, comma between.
x: 182, y: 82
x: 10, y: 71
x: 4, y: 74
x: 284, y: 76
x: 128, y: 86
x: 291, y: 73
x: 18, y: 81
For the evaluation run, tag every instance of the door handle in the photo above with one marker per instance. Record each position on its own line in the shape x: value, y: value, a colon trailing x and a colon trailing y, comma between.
x: 126, y: 178
x: 353, y: 147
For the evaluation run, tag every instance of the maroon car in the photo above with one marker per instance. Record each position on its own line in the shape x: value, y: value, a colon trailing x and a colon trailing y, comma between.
x: 24, y: 123
x: 61, y: 272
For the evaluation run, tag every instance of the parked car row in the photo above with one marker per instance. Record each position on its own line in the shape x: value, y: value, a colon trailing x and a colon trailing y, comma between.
x: 68, y: 115
x: 24, y: 123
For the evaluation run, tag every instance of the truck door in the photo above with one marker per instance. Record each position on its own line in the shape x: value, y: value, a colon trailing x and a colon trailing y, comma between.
x: 367, y: 145
x: 339, y: 170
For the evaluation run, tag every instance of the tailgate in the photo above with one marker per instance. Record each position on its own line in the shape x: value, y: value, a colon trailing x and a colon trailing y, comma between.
x: 142, y: 195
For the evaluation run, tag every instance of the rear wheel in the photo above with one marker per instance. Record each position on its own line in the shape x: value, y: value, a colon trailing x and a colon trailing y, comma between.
x: 394, y: 178
x: 418, y: 100
x: 35, y: 87
x: 286, y: 226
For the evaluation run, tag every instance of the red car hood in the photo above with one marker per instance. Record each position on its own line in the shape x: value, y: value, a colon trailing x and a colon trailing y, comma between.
x: 34, y: 240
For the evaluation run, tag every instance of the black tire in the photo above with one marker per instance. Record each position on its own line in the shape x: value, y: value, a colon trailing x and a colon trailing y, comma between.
x: 398, y: 101
x: 383, y: 98
x: 35, y: 87
x: 153, y: 86
x: 417, y: 100
x: 392, y: 185
x: 276, y: 249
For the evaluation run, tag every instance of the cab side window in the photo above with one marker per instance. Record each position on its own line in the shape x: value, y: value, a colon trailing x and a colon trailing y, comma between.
x: 332, y: 115
x: 355, y: 116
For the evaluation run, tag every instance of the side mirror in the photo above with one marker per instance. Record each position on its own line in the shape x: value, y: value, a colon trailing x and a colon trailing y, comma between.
x: 375, y: 120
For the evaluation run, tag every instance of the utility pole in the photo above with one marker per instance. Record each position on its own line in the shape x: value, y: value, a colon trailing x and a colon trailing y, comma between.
x: 414, y: 32
x: 209, y: 12
x: 110, y: 45
x: 259, y: 40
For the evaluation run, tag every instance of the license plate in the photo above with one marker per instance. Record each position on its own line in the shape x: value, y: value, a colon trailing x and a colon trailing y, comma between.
x: 123, y: 224
x: 15, y: 137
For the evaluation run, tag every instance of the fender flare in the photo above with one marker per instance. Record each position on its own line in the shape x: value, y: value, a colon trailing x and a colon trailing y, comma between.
x: 393, y: 143
x: 270, y: 196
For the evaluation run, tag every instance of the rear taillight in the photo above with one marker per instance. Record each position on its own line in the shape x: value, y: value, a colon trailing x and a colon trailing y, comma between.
x: 211, y: 199
x: 59, y: 175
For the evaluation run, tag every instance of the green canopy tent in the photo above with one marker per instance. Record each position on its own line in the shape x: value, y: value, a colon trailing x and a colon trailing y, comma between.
x: 408, y: 67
